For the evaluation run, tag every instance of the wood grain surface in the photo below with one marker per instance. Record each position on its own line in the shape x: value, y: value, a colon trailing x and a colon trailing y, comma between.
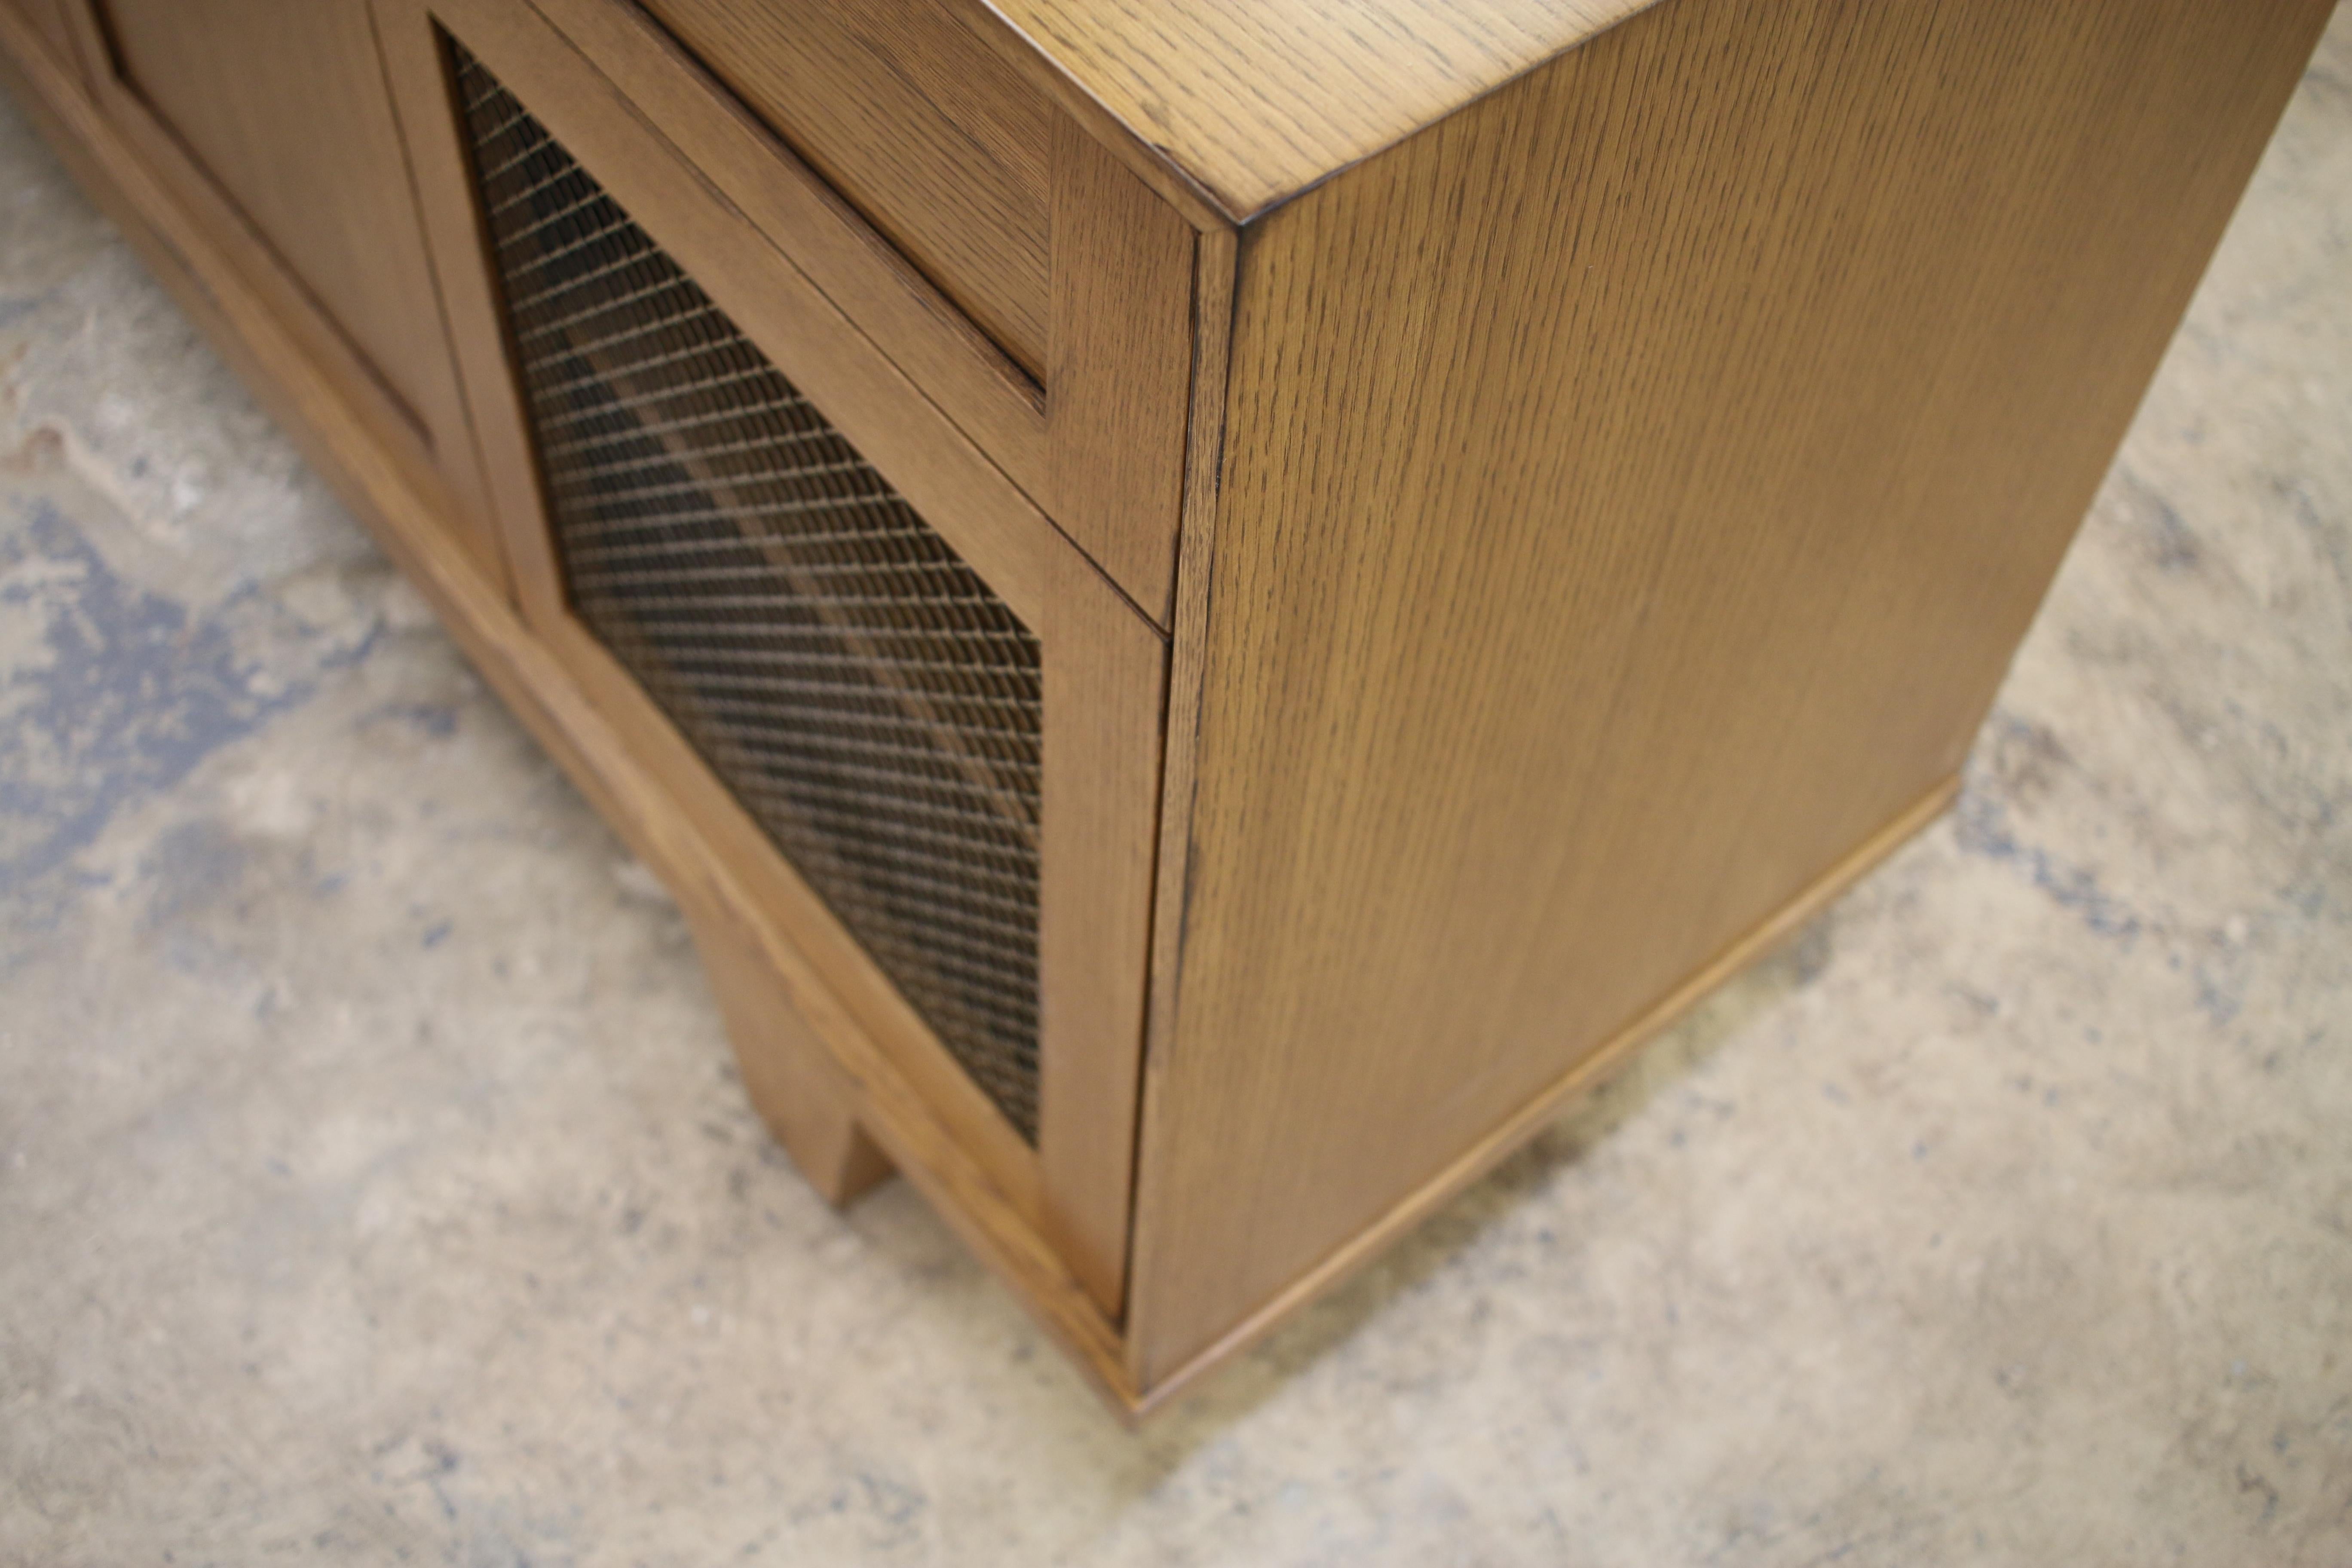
x: 1633, y: 490
x: 1255, y: 101
x: 283, y: 104
x: 921, y: 125
x: 1120, y: 373
x: 916, y: 321
x: 1587, y: 1073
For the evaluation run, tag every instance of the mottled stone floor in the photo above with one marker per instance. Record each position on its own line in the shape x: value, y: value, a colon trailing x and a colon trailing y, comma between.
x: 373, y: 1187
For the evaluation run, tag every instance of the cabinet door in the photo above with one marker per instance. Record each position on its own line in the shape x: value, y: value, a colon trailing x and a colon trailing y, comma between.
x: 921, y: 726
x: 273, y: 120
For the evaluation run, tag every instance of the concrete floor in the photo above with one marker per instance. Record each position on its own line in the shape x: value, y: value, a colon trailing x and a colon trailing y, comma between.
x: 374, y: 1187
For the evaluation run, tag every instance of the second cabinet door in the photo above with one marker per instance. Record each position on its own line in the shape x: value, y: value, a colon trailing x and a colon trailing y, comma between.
x: 280, y: 112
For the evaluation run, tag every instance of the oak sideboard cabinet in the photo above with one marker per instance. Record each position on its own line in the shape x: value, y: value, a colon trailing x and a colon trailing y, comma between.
x: 1208, y: 607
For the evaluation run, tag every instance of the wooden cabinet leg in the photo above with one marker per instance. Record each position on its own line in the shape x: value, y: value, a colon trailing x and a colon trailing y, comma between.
x: 802, y: 1095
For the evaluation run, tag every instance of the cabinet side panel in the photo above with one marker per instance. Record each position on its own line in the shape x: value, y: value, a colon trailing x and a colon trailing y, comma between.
x: 1635, y: 487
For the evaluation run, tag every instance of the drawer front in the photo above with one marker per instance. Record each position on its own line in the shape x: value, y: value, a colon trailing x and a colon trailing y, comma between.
x: 1032, y: 285
x: 921, y: 126
x: 918, y: 722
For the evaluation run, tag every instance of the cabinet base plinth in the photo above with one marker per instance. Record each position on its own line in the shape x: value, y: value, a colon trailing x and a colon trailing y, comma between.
x: 793, y: 1082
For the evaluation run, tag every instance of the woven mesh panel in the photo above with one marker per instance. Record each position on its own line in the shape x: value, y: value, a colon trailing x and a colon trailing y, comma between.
x: 860, y: 689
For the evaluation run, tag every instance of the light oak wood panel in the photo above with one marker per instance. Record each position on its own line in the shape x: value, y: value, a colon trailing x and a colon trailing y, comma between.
x: 1215, y: 275
x: 282, y: 105
x: 310, y: 400
x: 923, y: 127
x: 1119, y: 369
x: 994, y: 398
x: 1252, y: 102
x: 1213, y: 311
x: 1648, y: 520
x: 1585, y: 1075
x: 283, y: 102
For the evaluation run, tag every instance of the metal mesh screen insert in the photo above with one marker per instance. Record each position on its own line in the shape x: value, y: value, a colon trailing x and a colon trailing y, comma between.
x: 861, y: 691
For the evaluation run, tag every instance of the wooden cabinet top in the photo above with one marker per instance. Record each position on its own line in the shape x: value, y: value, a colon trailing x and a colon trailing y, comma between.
x: 1252, y: 102
x: 1255, y: 101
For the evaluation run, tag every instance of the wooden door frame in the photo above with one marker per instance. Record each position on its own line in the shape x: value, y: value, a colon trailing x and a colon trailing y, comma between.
x: 1105, y: 666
